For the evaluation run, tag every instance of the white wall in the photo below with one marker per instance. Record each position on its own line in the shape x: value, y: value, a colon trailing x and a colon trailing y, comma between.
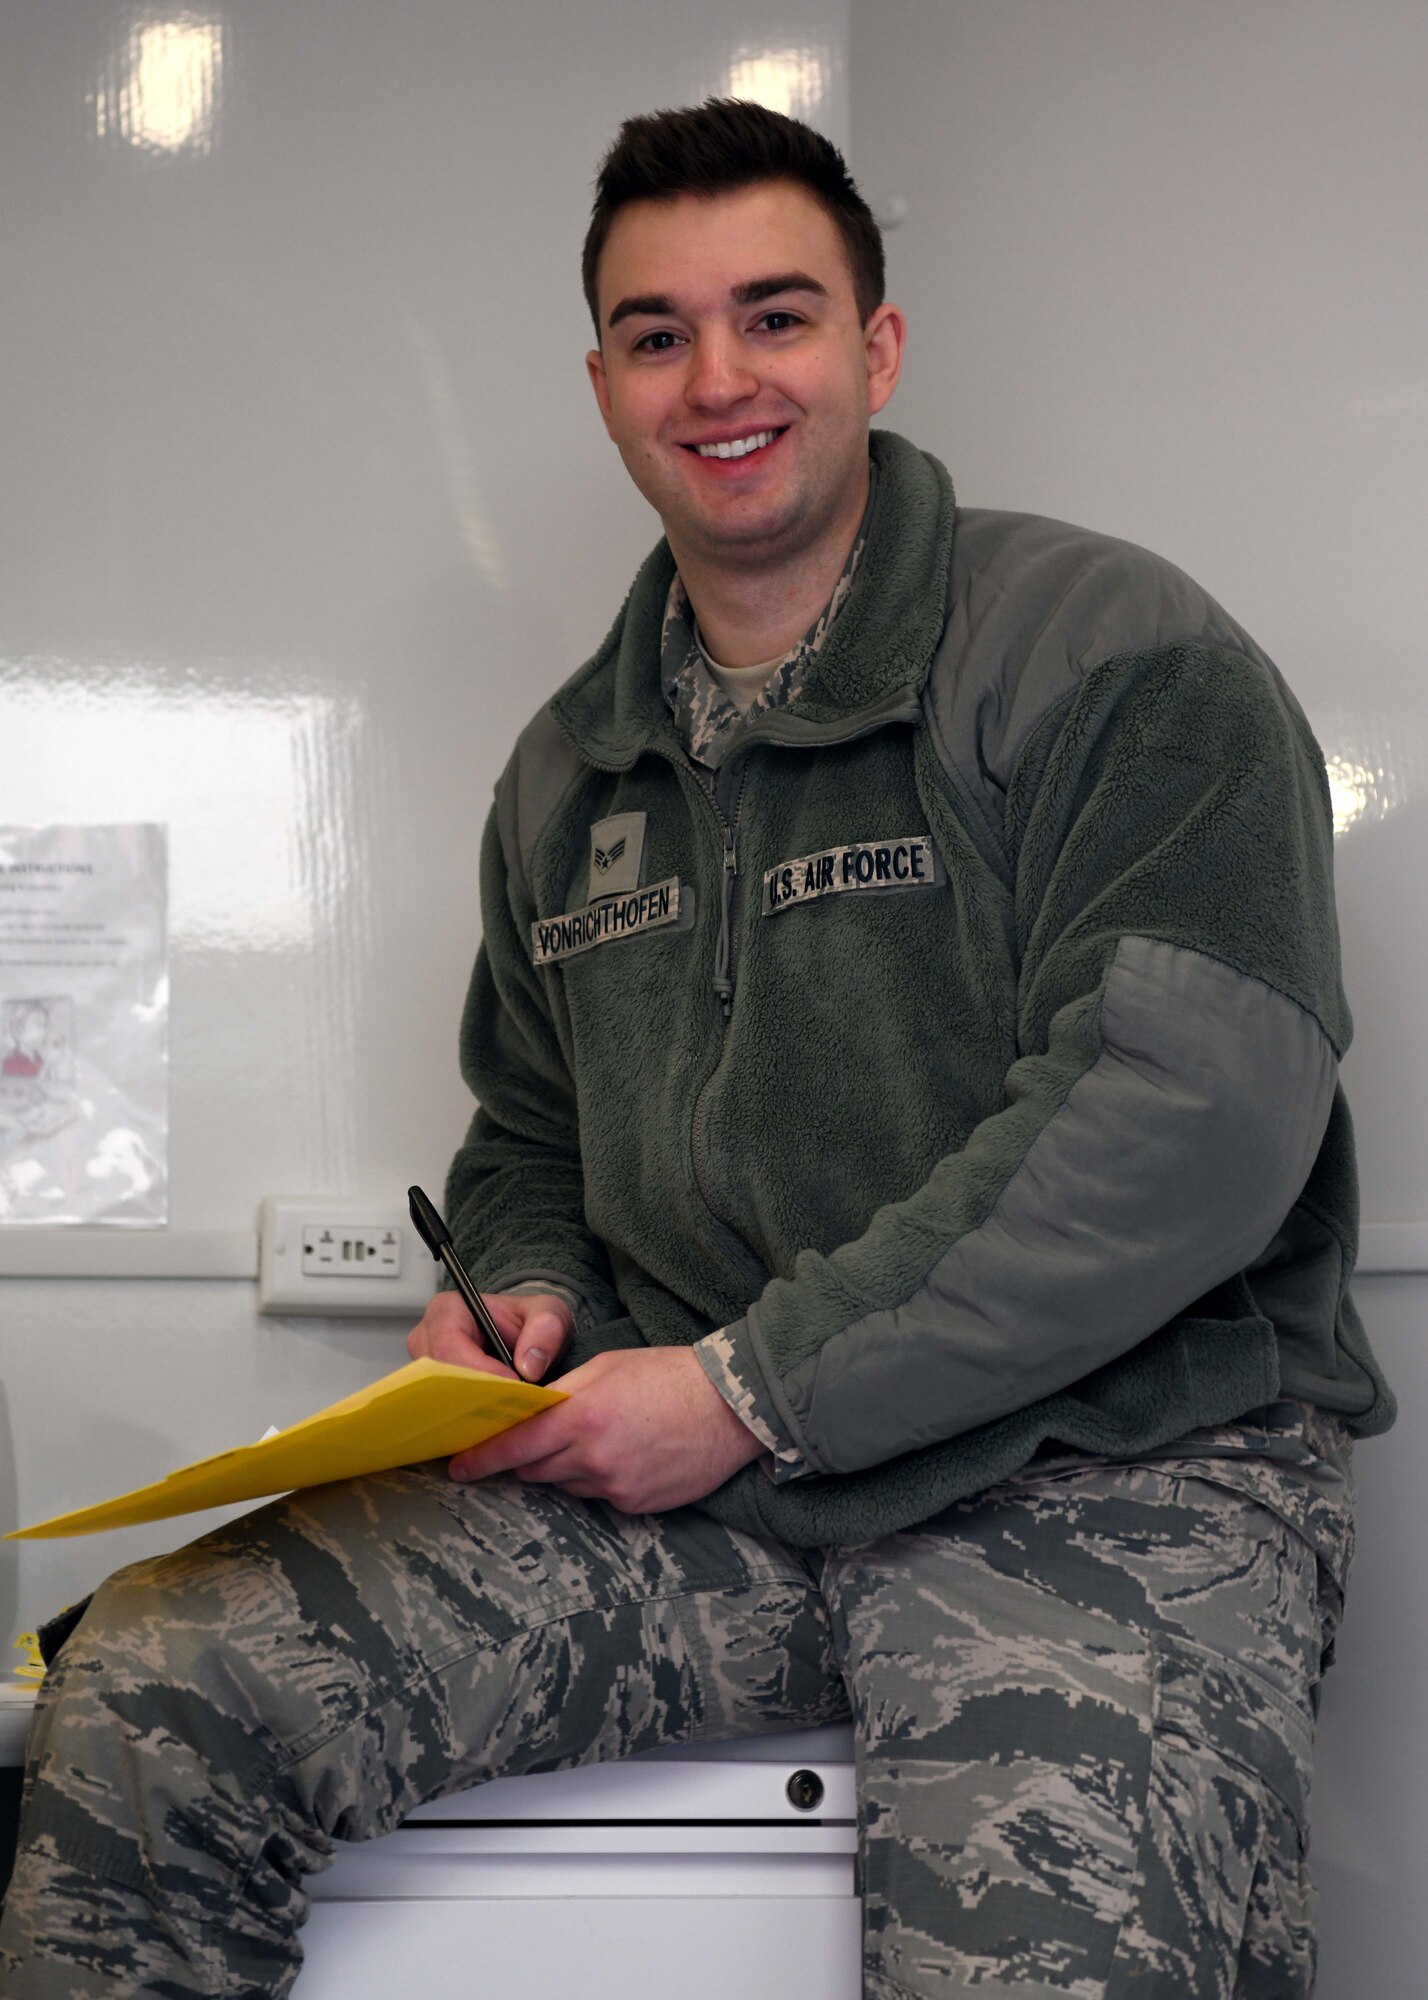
x: 1167, y: 273
x: 306, y: 506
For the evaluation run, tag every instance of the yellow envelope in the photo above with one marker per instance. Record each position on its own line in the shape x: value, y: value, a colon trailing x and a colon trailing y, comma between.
x: 426, y: 1410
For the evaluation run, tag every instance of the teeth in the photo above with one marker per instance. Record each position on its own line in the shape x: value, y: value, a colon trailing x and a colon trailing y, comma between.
x: 736, y: 447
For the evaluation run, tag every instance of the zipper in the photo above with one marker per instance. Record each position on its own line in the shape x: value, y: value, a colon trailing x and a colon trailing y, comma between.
x: 725, y: 957
x: 728, y: 946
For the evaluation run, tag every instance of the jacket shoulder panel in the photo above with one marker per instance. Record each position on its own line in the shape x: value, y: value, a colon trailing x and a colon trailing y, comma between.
x: 542, y: 768
x: 1035, y: 605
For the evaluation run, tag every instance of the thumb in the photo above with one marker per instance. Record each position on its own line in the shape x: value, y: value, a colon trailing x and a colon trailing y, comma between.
x: 541, y: 1339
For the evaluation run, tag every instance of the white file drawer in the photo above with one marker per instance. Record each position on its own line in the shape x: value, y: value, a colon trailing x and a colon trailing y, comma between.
x: 585, y: 1948
x: 688, y: 1871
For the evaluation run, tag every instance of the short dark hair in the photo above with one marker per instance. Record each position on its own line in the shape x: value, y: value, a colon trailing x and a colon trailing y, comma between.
x: 716, y: 148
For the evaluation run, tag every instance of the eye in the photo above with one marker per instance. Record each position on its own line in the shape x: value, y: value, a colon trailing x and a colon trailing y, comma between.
x: 660, y: 341
x: 778, y: 319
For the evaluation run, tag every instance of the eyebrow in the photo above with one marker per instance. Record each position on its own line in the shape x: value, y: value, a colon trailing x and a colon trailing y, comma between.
x: 656, y: 305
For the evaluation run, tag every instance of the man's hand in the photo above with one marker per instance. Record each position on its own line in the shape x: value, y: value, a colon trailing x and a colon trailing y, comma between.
x: 535, y: 1327
x: 644, y: 1428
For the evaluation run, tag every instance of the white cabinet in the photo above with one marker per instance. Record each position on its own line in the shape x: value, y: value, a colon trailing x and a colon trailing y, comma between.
x: 639, y: 1948
x: 691, y: 1871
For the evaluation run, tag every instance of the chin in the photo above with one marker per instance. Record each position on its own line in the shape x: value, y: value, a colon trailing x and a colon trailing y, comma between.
x: 768, y: 533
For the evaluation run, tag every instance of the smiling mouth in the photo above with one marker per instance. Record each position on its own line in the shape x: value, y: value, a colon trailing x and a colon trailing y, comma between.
x: 737, y: 447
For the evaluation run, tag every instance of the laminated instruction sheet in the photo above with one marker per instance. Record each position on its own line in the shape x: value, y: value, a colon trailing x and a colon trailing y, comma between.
x: 83, y: 1025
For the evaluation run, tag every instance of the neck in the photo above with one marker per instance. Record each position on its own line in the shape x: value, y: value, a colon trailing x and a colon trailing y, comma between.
x: 749, y: 613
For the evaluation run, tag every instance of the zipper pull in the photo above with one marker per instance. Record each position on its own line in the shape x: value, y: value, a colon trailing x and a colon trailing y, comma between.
x: 723, y: 982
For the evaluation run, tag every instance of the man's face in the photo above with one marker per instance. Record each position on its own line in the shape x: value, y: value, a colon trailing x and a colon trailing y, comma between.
x: 730, y: 322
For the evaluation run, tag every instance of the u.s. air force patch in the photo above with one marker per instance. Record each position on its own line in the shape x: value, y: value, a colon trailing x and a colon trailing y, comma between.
x: 603, y: 922
x: 909, y: 863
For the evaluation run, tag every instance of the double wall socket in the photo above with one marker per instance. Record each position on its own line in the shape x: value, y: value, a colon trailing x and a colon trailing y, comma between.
x: 340, y: 1258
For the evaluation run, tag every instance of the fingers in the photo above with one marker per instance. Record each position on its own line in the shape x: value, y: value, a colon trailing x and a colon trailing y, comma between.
x: 535, y: 1326
x: 539, y: 1438
x: 447, y: 1332
x: 643, y: 1430
x: 561, y: 1468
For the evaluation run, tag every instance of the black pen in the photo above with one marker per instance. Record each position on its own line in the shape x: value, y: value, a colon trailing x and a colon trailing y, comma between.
x: 437, y: 1238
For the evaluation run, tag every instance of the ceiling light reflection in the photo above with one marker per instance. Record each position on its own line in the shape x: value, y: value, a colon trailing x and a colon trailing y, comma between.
x: 793, y: 80
x: 1356, y: 793
x: 164, y: 85
x: 256, y: 794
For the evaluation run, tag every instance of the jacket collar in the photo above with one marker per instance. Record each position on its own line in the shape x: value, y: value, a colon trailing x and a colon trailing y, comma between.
x: 881, y: 643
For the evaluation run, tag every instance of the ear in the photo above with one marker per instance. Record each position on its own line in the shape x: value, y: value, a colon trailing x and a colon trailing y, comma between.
x: 600, y: 383
x: 884, y: 338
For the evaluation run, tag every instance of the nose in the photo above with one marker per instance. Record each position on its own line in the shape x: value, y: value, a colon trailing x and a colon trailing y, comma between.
x: 721, y: 372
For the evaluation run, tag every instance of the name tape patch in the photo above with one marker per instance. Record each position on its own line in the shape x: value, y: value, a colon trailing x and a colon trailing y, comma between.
x: 603, y: 921
x: 909, y: 863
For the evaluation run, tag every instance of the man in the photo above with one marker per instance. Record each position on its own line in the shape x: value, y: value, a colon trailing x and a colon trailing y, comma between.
x: 906, y: 1034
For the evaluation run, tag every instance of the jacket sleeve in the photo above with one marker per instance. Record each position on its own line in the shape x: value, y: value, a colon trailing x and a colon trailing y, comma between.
x: 515, y: 1192
x: 1180, y: 1019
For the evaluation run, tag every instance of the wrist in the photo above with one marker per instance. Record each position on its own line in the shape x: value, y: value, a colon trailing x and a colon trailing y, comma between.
x: 742, y: 1444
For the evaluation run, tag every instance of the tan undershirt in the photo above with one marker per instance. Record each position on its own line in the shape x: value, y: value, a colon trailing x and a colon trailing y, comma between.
x: 741, y: 685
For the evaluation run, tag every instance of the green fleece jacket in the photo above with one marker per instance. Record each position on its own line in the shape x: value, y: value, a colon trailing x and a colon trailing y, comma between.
x: 964, y: 1068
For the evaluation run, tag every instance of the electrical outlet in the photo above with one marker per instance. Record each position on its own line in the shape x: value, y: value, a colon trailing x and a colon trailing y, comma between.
x: 324, y: 1254
x: 340, y: 1250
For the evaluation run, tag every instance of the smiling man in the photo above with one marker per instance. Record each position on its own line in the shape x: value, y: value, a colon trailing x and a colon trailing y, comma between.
x: 905, y: 1035
x: 741, y: 409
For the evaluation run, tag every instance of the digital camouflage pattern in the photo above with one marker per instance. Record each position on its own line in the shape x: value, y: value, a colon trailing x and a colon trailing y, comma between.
x: 748, y: 1399
x: 1084, y: 1701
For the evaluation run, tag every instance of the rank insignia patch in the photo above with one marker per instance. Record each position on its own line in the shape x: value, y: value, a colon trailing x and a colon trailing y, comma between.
x: 617, y: 851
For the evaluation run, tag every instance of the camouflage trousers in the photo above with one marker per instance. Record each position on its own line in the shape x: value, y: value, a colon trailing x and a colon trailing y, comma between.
x: 1083, y: 1704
